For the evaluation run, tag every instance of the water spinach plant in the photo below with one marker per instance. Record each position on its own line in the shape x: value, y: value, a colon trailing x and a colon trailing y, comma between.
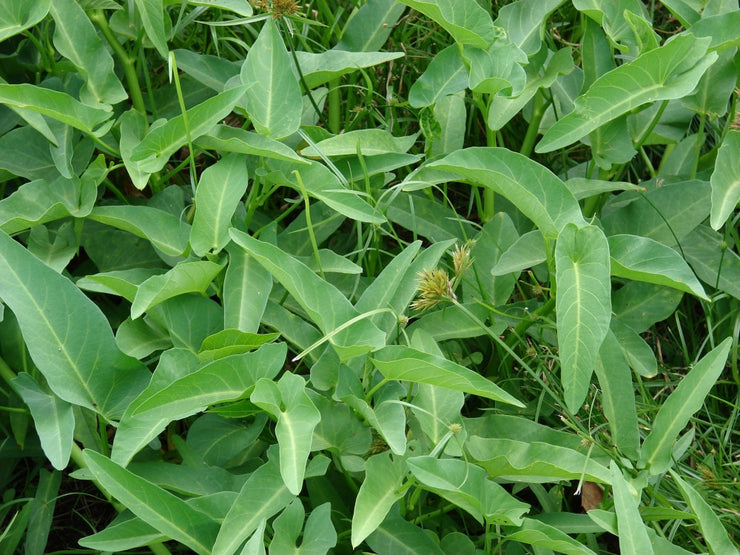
x: 426, y: 276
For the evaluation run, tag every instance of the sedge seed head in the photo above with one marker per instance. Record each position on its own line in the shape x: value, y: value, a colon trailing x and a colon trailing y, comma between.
x: 434, y: 286
x: 461, y: 259
x: 279, y: 8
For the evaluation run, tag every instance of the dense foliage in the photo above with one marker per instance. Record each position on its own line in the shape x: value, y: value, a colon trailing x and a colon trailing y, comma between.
x: 428, y: 276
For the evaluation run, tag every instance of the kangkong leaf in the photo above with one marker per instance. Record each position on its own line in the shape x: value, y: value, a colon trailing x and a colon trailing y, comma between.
x: 583, y: 306
x: 465, y: 20
x: 318, y: 68
x: 445, y: 75
x: 532, y: 188
x: 242, y: 7
x: 397, y: 362
x: 160, y: 509
x: 246, y: 289
x: 155, y: 149
x: 57, y: 105
x: 524, y: 21
x: 152, y: 16
x: 219, y: 191
x: 224, y: 138
x: 713, y: 261
x: 263, y: 494
x: 186, y: 277
x: 367, y: 142
x: 378, y: 492
x: 551, y: 538
x: 711, y: 527
x: 318, y: 537
x: 18, y: 15
x: 296, y: 419
x: 370, y: 26
x: 633, y: 536
x: 77, y: 40
x: 77, y: 355
x: 676, y: 411
x: 643, y: 259
x: 665, y: 73
x: 165, y: 231
x: 53, y: 418
x: 274, y: 97
x: 726, y: 180
x: 324, y: 304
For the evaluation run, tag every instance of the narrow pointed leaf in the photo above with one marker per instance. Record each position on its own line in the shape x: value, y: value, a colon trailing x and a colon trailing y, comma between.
x: 532, y: 188
x: 155, y: 149
x: 318, y: 68
x: 397, y: 362
x: 274, y: 97
x: 445, y: 75
x: 57, y: 105
x: 166, y: 232
x: 160, y: 509
x: 714, y: 533
x: 726, y: 180
x: 365, y: 142
x: 324, y: 304
x: 53, y: 418
x: 246, y: 289
x: 665, y: 73
x: 186, y: 277
x: 549, y: 538
x: 263, y: 495
x: 152, y: 16
x: 224, y: 138
x: 524, y: 22
x: 676, y: 411
x: 378, y: 493
x: 78, y: 356
x: 633, y: 536
x: 583, y: 306
x: 76, y: 39
x: 370, y: 26
x: 643, y: 259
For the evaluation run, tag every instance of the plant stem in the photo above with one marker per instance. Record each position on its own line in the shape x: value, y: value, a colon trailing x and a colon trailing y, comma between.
x: 129, y: 70
x: 334, y: 99
x: 538, y: 112
x: 6, y: 372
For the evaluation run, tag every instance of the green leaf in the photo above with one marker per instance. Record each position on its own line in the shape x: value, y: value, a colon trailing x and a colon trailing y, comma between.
x: 636, y: 351
x: 232, y: 342
x: 643, y: 259
x: 665, y: 73
x: 633, y: 536
x: 41, y: 201
x: 468, y: 487
x: 133, y: 127
x: 583, y: 306
x: 618, y: 396
x: 666, y: 214
x: 526, y: 252
x: 369, y: 27
x: 398, y: 536
x: 397, y: 362
x: 241, y: 7
x: 155, y: 149
x: 18, y: 15
x: 497, y: 69
x: 378, y: 492
x: 548, y: 537
x: 214, y: 72
x: 224, y: 138
x: 711, y: 527
x: 246, y: 290
x: 522, y: 460
x: 318, y: 537
x: 639, y: 305
x: 726, y: 180
x: 713, y: 261
x: 296, y: 419
x: 676, y: 411
x: 78, y: 357
x: 53, y: 418
x: 445, y: 75
x: 57, y: 105
x: 532, y: 188
x: 524, y: 22
x: 321, y: 183
x: 76, y: 39
x: 323, y: 303
x: 319, y: 68
x: 152, y: 16
x: 274, y: 97
x: 465, y: 20
x: 263, y: 494
x: 42, y: 511
x: 166, y: 232
x: 365, y: 142
x: 720, y: 28
x: 122, y: 534
x: 186, y: 277
x: 161, y: 510
x: 118, y: 282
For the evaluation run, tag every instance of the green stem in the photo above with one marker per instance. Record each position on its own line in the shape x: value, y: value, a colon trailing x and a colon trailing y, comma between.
x: 309, y: 224
x: 699, y: 142
x: 538, y: 112
x: 129, y: 69
x: 334, y: 99
x: 6, y: 372
x: 649, y: 129
x: 184, y: 111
